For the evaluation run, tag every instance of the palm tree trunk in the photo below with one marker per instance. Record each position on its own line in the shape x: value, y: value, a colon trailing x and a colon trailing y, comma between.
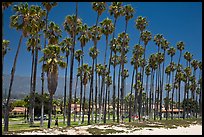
x: 96, y: 87
x: 75, y: 104
x: 81, y: 86
x: 31, y: 89
x: 114, y: 90
x: 42, y: 75
x: 108, y: 103
x: 155, y: 98
x: 34, y: 85
x: 119, y: 72
x: 135, y: 101
x: 71, y: 71
x: 106, y: 94
x: 130, y: 101
x: 172, y: 96
x: 83, y: 107
x: 6, y: 118
x: 151, y: 93
x: 146, y: 103
x: 179, y: 98
x: 50, y: 111
x: 91, y: 92
x: 65, y: 91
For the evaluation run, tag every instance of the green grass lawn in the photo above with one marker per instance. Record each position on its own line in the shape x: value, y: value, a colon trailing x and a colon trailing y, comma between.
x: 22, y: 127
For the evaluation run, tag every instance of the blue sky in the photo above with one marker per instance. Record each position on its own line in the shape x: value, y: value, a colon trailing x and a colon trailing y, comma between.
x: 177, y: 21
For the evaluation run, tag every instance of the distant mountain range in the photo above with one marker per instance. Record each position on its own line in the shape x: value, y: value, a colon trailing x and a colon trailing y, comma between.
x: 21, y: 87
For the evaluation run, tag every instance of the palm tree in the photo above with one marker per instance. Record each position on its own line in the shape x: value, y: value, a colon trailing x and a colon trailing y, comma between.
x: 153, y: 65
x: 66, y: 46
x: 52, y: 61
x: 141, y: 25
x: 86, y: 76
x: 188, y: 57
x: 147, y: 72
x: 21, y: 12
x: 78, y: 56
x: 84, y: 37
x: 173, y: 68
x: 168, y: 88
x: 178, y: 78
x: 158, y: 38
x: 135, y: 61
x: 123, y: 41
x: 180, y: 47
x: 187, y: 75
x: 200, y: 83
x: 71, y: 24
x: 108, y: 81
x: 114, y: 62
x: 115, y: 9
x: 48, y: 6
x: 93, y: 53
x: 145, y: 37
x: 164, y: 46
x: 128, y: 12
x: 107, y: 29
x: 99, y: 7
x: 37, y: 24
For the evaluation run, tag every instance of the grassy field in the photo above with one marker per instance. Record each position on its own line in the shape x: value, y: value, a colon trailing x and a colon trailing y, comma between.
x: 22, y: 127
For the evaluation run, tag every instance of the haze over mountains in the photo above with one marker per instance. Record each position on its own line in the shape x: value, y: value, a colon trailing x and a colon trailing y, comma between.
x: 21, y: 87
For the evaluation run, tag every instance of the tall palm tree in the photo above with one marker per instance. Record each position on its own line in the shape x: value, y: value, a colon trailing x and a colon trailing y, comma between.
x: 128, y: 12
x: 93, y: 53
x: 200, y: 83
x: 107, y: 29
x: 147, y: 72
x: 95, y: 35
x: 52, y: 61
x: 115, y: 9
x: 173, y: 68
x: 21, y: 12
x: 114, y: 63
x: 37, y: 24
x: 187, y: 74
x: 86, y: 76
x: 78, y: 56
x: 153, y: 65
x: 123, y: 48
x: 178, y: 78
x: 158, y: 38
x: 71, y: 25
x: 188, y: 57
x: 135, y: 61
x: 180, y: 46
x: 99, y: 7
x: 84, y: 37
x: 168, y: 88
x: 48, y: 6
x: 145, y: 37
x: 65, y: 47
x: 108, y: 81
x: 164, y: 46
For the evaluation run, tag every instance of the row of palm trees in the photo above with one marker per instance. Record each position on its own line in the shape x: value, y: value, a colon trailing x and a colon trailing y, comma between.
x: 144, y: 98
